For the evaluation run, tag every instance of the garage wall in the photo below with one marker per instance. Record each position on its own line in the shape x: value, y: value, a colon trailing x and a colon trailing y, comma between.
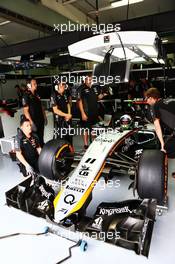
x: 7, y: 90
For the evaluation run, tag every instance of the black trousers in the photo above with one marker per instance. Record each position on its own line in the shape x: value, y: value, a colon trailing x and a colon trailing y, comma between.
x: 40, y: 133
x: 60, y: 124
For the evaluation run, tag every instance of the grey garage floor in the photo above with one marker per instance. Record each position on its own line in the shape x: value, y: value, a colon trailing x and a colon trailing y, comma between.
x: 51, y: 249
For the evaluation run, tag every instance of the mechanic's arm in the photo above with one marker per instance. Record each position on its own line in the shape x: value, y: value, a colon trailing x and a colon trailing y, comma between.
x: 21, y: 158
x: 159, y: 133
x: 39, y: 150
x: 57, y: 111
x: 101, y: 96
x: 83, y: 114
x: 27, y: 114
x: 69, y: 108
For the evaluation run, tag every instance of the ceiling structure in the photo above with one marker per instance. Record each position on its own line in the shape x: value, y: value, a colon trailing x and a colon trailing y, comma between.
x: 109, y: 14
x: 30, y: 23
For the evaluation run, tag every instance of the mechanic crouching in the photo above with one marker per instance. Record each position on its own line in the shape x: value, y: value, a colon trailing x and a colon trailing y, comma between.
x: 27, y: 148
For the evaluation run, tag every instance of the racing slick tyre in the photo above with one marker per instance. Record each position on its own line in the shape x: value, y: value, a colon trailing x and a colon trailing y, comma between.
x: 55, y: 159
x: 152, y: 175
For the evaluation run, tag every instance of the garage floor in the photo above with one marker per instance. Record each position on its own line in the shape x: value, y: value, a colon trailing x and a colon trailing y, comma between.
x: 50, y: 249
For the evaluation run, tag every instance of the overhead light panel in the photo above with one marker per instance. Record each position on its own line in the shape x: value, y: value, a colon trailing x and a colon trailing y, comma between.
x: 160, y: 61
x: 124, y: 2
x: 165, y: 41
x: 136, y: 44
x: 5, y: 23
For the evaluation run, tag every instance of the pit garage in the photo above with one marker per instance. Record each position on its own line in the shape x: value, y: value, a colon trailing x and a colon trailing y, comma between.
x: 87, y: 123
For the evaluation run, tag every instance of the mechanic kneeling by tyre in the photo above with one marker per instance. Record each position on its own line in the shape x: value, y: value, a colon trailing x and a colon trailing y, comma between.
x: 27, y: 148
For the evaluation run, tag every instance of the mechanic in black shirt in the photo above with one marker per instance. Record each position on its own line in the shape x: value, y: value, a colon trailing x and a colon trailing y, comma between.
x: 33, y: 110
x: 27, y: 147
x: 163, y: 113
x: 87, y: 102
x: 62, y: 112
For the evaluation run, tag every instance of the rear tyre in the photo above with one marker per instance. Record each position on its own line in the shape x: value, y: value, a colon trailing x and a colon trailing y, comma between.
x: 152, y: 175
x: 55, y: 160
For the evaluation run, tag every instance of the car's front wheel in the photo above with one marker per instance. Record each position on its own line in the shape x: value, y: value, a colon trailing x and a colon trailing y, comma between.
x: 152, y: 175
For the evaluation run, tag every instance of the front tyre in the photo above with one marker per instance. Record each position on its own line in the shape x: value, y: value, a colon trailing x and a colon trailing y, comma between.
x: 152, y: 176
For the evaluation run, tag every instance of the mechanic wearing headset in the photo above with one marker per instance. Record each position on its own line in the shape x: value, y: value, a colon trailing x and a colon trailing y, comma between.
x: 27, y: 147
x: 62, y: 111
x: 34, y: 111
x: 163, y: 113
x: 87, y: 103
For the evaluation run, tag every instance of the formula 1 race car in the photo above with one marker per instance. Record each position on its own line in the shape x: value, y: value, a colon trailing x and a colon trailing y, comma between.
x: 129, y: 152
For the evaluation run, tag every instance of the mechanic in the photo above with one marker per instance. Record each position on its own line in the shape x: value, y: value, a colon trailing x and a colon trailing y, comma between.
x: 87, y: 103
x: 163, y: 114
x: 27, y: 147
x: 62, y: 112
x: 34, y: 111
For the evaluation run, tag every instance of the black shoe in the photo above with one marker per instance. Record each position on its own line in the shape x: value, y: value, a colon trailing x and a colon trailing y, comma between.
x: 86, y: 147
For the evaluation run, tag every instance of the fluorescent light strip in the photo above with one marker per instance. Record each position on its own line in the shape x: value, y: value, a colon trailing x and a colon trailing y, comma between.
x: 138, y: 59
x: 161, y: 61
x: 124, y: 2
x: 4, y: 22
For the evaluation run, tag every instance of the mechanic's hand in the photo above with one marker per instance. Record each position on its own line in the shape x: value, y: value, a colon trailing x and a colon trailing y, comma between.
x: 29, y: 170
x: 68, y: 117
x: 34, y: 128
x: 163, y: 150
x: 45, y: 121
x: 84, y: 117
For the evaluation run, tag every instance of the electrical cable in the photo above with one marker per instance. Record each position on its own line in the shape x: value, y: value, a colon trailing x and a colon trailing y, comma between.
x: 127, y: 13
x: 70, y: 252
x: 122, y: 45
x: 27, y: 234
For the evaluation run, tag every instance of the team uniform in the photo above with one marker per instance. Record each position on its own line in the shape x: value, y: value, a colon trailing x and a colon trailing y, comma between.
x: 61, y: 101
x: 36, y: 112
x: 28, y: 148
x: 164, y: 109
x: 89, y: 97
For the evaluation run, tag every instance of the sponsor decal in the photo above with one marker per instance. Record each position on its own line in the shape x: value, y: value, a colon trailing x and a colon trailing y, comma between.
x: 63, y: 210
x: 98, y: 223
x: 75, y: 189
x: 69, y: 199
x: 43, y: 205
x: 138, y: 153
x: 78, y: 183
x: 128, y: 143
x: 112, y: 211
x: 144, y: 231
x: 84, y: 170
x: 44, y: 192
x: 104, y: 140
